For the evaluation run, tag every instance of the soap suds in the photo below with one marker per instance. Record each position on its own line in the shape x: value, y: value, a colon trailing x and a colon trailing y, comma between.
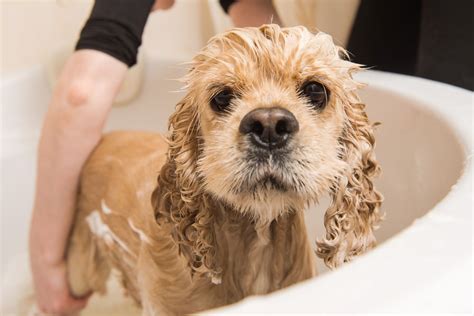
x: 215, y: 279
x: 105, y: 208
x: 101, y: 230
x: 140, y: 233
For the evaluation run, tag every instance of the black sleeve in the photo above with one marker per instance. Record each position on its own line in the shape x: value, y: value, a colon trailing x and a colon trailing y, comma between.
x: 225, y: 4
x: 115, y: 27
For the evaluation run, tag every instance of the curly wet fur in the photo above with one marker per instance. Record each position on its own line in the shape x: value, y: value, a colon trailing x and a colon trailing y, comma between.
x: 214, y: 233
x: 354, y: 212
x: 355, y: 209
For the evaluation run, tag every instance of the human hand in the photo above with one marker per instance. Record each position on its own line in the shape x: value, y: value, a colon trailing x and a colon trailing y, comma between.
x: 162, y: 5
x: 52, y: 291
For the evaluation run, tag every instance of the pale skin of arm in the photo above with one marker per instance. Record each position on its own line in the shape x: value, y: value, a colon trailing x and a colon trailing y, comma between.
x: 73, y: 126
x: 253, y: 13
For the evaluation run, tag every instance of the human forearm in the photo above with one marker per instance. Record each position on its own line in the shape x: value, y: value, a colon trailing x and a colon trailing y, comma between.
x: 253, y: 13
x: 72, y: 128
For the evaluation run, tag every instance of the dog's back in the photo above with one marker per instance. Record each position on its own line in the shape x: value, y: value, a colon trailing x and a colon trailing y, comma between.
x: 114, y: 209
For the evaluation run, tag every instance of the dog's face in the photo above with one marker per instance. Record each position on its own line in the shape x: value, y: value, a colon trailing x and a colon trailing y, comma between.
x: 270, y: 115
x: 270, y: 118
x: 270, y: 122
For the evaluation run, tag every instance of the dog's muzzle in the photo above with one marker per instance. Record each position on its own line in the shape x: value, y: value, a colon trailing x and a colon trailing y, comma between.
x: 269, y: 128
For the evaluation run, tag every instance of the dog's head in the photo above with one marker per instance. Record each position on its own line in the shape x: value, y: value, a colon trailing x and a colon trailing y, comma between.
x: 271, y: 121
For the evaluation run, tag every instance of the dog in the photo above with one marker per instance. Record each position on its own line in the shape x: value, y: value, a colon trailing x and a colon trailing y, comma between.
x: 271, y: 121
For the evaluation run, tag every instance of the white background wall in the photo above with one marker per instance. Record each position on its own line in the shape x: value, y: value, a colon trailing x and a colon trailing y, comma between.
x: 33, y: 30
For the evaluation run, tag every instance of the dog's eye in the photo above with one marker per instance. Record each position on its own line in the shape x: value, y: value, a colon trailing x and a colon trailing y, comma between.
x: 221, y: 101
x: 317, y: 94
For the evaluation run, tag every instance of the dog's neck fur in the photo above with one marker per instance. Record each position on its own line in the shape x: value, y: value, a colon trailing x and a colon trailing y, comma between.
x: 239, y: 256
x: 258, y: 258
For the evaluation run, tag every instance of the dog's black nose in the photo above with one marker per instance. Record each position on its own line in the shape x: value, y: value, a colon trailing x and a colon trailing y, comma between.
x: 269, y: 127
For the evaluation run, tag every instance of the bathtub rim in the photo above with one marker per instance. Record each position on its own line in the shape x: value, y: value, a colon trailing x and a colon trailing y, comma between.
x: 461, y: 125
x: 452, y: 210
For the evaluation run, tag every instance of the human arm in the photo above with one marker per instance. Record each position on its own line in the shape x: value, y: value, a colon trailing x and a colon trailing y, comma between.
x: 81, y: 101
x: 253, y: 13
x: 72, y: 128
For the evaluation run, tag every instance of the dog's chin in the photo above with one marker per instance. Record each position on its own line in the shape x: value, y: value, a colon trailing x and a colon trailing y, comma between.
x: 265, y: 198
x: 265, y: 185
x: 269, y: 183
x: 267, y: 205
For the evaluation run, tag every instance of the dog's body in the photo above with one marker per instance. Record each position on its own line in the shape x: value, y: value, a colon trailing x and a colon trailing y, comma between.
x: 114, y: 200
x: 271, y: 121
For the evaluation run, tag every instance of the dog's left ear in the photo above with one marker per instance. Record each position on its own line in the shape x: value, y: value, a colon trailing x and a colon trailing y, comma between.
x: 354, y: 212
x: 179, y: 199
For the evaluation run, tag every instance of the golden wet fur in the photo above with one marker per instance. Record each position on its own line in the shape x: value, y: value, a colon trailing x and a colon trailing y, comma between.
x: 207, y: 232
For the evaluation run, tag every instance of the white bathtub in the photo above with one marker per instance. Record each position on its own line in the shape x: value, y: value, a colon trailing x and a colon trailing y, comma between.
x: 423, y: 262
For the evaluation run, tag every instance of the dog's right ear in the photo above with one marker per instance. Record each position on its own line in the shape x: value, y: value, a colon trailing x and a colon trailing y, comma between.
x: 354, y: 213
x: 179, y: 199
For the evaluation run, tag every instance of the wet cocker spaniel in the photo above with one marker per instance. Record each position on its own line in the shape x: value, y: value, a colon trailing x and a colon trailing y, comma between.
x: 271, y: 121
